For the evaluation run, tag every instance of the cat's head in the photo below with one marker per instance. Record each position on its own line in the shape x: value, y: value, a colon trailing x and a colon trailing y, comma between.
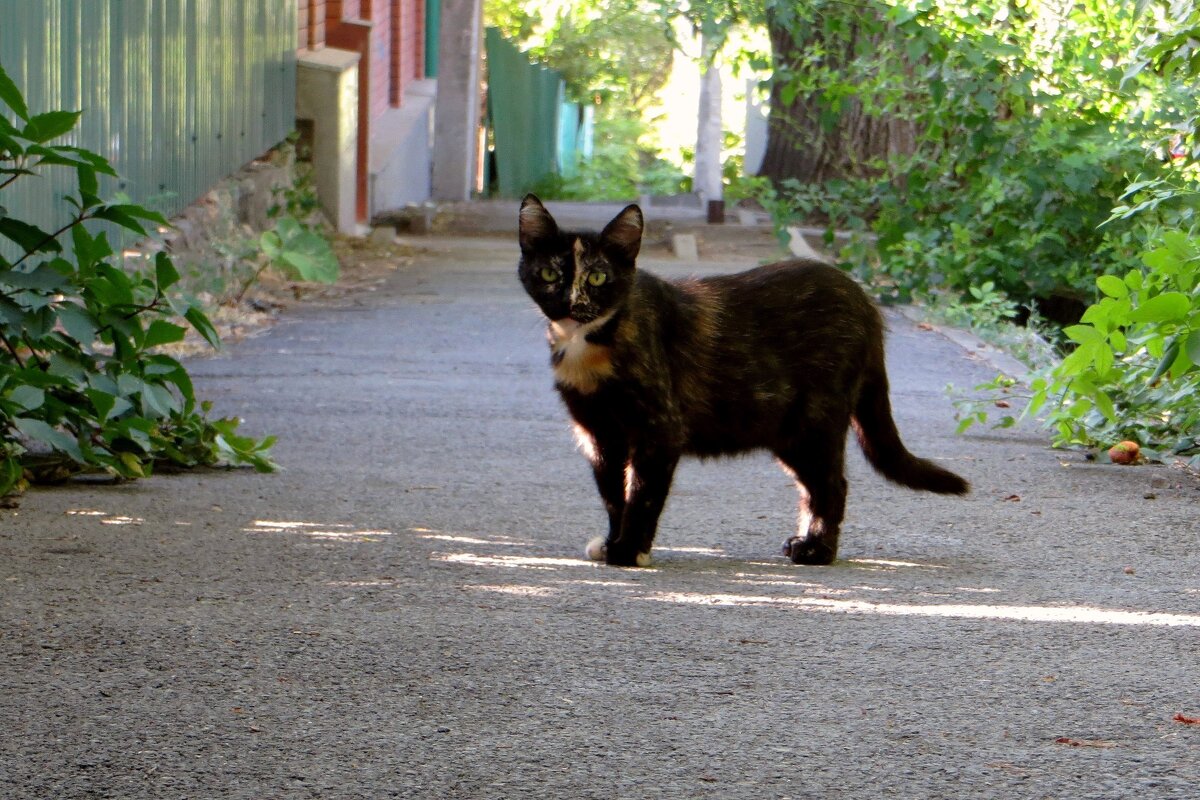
x: 581, y: 276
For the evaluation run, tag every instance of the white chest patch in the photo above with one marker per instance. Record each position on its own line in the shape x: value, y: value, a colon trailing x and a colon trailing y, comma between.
x: 578, y: 363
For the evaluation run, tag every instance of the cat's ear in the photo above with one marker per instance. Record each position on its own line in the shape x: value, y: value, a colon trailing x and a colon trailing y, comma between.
x: 624, y: 233
x: 535, y: 225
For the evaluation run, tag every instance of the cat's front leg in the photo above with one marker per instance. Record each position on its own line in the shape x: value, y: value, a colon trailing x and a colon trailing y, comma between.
x: 608, y: 455
x: 648, y: 480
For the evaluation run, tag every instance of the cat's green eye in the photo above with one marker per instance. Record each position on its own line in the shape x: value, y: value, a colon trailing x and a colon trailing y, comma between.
x: 549, y: 274
x: 596, y: 278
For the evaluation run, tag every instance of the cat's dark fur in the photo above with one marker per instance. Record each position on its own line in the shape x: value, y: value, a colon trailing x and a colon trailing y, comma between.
x: 783, y: 358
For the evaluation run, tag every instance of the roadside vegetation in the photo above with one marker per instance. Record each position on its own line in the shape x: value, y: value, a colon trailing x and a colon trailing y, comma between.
x: 1042, y: 163
x: 87, y: 383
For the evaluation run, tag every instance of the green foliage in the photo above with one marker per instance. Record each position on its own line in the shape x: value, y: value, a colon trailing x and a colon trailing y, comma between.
x: 295, y: 244
x: 620, y: 169
x: 82, y: 384
x: 1022, y: 141
x: 1131, y: 372
x: 1053, y: 148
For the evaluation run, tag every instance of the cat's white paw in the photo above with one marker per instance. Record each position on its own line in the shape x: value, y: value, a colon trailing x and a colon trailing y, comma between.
x: 596, y: 549
x: 643, y: 559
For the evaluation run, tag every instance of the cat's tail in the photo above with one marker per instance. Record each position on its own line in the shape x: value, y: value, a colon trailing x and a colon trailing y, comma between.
x: 880, y: 443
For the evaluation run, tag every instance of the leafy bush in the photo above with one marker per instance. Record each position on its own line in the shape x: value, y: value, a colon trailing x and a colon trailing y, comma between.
x: 1022, y: 142
x: 82, y: 386
x: 1131, y: 372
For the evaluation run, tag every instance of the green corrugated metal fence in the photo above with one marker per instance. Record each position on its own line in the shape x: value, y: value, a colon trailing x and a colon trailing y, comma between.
x: 433, y: 31
x: 176, y: 93
x: 535, y: 131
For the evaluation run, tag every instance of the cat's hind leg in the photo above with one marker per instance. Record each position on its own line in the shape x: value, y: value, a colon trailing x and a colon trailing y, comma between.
x: 817, y: 464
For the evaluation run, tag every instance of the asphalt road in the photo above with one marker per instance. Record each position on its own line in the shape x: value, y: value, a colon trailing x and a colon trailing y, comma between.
x: 405, y: 610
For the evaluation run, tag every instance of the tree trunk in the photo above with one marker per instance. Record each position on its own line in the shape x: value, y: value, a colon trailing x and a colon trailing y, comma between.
x: 706, y: 180
x: 806, y: 140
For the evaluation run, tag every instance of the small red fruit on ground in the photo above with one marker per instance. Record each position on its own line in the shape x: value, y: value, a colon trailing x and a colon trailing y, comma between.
x: 1124, y: 452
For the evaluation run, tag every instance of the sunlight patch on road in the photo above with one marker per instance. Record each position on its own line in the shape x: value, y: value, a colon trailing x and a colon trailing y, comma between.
x: 514, y: 562
x: 1084, y: 614
x: 460, y: 539
x: 884, y: 562
x: 517, y: 589
x: 106, y: 518
x: 122, y: 520
x: 706, y: 551
x: 317, y: 530
x: 773, y: 579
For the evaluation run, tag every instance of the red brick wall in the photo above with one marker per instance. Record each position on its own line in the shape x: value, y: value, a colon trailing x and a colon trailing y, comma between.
x: 311, y: 20
x: 345, y: 9
x: 412, y: 40
x: 397, y: 48
x: 380, y: 12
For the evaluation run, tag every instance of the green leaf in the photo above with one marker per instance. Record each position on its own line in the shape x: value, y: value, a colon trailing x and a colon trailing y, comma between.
x: 163, y: 332
x: 69, y: 368
x: 1165, y: 363
x: 119, y: 215
x: 1192, y: 347
x: 97, y: 161
x: 49, y: 435
x: 1166, y: 307
x: 50, y: 125
x: 1180, y: 244
x: 27, y: 397
x: 1105, y: 404
x: 103, y: 402
x: 133, y: 466
x: 1080, y: 360
x: 159, y: 400
x: 1083, y: 334
x: 310, y: 267
x: 165, y: 274
x: 1102, y: 359
x: 270, y: 244
x: 1112, y: 286
x: 11, y: 96
x: 89, y: 186
x: 78, y: 323
x: 1181, y: 365
x: 200, y: 322
x: 11, y: 473
x: 43, y: 279
x: 30, y: 238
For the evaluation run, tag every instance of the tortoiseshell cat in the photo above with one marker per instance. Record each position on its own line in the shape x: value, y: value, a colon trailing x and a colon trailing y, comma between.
x: 783, y: 358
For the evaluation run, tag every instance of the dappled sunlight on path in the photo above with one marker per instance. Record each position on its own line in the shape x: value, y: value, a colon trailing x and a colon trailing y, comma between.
x: 707, y: 576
